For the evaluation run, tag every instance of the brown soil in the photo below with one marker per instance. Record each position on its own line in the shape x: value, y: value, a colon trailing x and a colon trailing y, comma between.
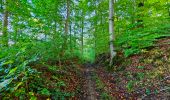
x: 88, y: 89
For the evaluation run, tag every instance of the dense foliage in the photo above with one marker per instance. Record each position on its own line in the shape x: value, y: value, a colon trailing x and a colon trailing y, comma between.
x: 38, y: 37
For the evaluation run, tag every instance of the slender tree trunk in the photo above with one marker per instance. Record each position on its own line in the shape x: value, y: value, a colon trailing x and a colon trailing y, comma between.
x: 5, y: 25
x: 64, y: 46
x: 74, y: 28
x: 75, y: 32
x: 67, y: 22
x: 82, y: 34
x: 67, y: 18
x: 71, y: 48
x: 111, y: 31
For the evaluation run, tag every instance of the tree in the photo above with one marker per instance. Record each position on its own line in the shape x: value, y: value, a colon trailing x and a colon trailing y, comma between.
x: 66, y: 28
x: 111, y: 31
x: 5, y: 24
x: 67, y: 19
x: 82, y: 32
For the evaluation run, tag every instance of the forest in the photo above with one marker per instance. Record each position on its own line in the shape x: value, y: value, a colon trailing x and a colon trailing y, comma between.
x: 84, y: 49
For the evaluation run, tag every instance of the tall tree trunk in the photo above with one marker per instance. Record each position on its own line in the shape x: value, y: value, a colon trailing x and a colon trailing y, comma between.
x: 75, y: 32
x: 111, y: 31
x: 82, y: 34
x: 71, y: 48
x: 64, y: 46
x: 67, y: 18
x: 74, y: 28
x: 5, y: 24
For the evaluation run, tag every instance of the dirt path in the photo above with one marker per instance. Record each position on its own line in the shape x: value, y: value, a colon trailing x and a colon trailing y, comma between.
x: 88, y: 84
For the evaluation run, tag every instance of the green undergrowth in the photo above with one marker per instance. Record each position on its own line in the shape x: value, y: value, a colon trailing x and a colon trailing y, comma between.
x: 33, y: 83
x: 30, y: 70
x: 133, y: 41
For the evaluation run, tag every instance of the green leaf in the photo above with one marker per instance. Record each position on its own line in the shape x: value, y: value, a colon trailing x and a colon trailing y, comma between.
x: 8, y: 62
x: 148, y: 91
x: 61, y: 83
x: 11, y: 72
x: 33, y: 98
x: 141, y: 67
x: 130, y: 85
x: 5, y: 83
x: 45, y: 91
x: 19, y: 84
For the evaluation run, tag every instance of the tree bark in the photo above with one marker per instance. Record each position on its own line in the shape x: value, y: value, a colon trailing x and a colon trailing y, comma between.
x: 82, y: 33
x: 5, y: 24
x: 111, y: 31
x: 67, y: 18
x: 64, y: 46
x: 71, y: 48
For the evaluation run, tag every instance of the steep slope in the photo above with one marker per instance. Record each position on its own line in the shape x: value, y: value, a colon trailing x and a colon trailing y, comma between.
x: 145, y: 75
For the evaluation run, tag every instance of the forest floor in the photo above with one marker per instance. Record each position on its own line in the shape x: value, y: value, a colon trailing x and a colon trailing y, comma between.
x: 88, y: 84
x: 144, y: 76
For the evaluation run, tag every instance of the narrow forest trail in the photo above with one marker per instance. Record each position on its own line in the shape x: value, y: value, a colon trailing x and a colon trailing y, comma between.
x: 88, y: 85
